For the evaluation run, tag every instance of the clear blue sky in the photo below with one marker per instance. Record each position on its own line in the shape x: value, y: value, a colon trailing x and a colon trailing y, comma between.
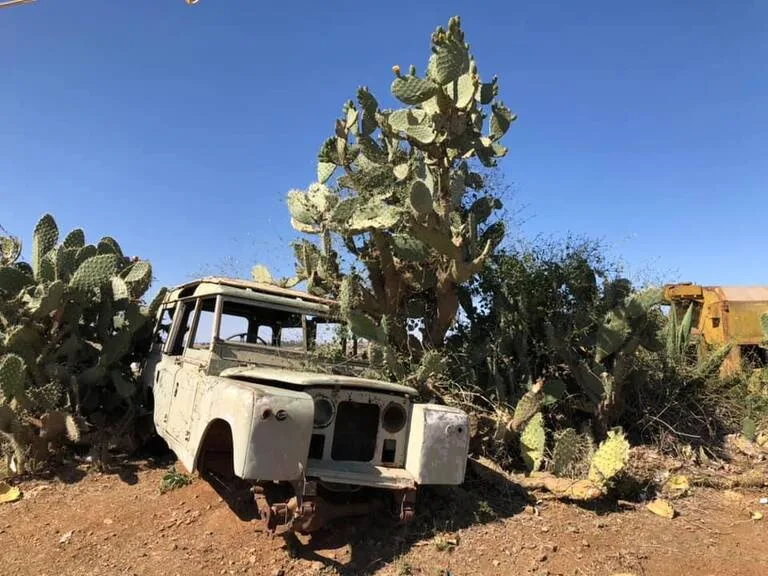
x: 178, y: 129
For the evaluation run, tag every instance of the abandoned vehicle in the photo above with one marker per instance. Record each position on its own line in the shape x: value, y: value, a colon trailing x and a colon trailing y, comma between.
x: 235, y: 399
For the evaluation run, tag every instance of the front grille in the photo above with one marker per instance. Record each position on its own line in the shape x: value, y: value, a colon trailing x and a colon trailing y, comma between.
x: 354, y: 436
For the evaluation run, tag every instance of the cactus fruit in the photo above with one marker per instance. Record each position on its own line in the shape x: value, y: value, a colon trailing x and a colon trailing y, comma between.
x: 532, y: 442
x: 610, y: 457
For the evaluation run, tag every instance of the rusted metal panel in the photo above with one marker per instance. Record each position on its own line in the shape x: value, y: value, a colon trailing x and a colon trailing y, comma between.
x: 686, y: 290
x: 742, y: 293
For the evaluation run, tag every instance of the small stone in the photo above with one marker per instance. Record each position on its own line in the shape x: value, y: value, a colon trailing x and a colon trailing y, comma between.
x: 174, y: 546
x: 107, y: 521
x: 585, y: 543
x: 545, y: 529
x: 496, y: 563
x: 553, y: 547
x: 278, y: 572
x: 542, y: 558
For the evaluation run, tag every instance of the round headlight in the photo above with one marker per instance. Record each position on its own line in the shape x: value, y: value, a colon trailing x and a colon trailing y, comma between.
x: 323, y: 412
x: 393, y: 418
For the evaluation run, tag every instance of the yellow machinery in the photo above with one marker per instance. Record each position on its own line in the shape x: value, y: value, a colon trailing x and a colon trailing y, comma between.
x: 722, y: 314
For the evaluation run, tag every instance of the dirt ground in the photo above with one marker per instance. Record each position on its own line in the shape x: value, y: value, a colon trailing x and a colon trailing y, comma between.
x: 82, y: 522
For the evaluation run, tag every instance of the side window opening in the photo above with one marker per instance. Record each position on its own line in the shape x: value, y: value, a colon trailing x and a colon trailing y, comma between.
x: 185, y: 324
x: 163, y: 328
x: 204, y: 327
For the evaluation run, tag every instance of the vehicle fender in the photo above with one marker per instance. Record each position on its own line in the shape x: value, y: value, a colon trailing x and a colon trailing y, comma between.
x: 282, y: 426
x: 222, y: 399
x: 438, y: 444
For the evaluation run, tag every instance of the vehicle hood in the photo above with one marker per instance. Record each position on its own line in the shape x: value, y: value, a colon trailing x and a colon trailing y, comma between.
x: 296, y: 378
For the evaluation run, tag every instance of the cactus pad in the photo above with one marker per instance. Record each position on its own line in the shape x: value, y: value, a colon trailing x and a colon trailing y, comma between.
x: 13, y: 280
x: 449, y: 61
x: 408, y: 248
x: 609, y: 458
x: 527, y: 407
x: 532, y: 442
x: 125, y: 386
x: 109, y: 245
x: 413, y: 90
x: 401, y: 171
x: 75, y: 239
x: 51, y: 298
x: 95, y: 272
x: 420, y: 198
x: 501, y: 118
x: 260, y: 273
x: 138, y: 278
x: 44, y: 239
x: 363, y: 327
x: 23, y: 339
x: 120, y: 289
x: 569, y: 453
x: 462, y: 92
x: 66, y: 263
x: 374, y: 215
x: 84, y: 253
x: 324, y: 171
x: 10, y: 250
x: 12, y: 376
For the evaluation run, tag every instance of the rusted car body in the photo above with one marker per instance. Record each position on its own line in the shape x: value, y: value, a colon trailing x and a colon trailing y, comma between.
x: 726, y: 314
x: 234, y: 396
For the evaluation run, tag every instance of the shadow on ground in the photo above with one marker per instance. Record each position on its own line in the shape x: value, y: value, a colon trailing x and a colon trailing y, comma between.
x: 72, y: 466
x: 375, y: 540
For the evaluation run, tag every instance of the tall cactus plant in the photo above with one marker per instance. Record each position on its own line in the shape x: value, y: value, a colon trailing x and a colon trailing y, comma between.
x: 398, y: 190
x: 71, y: 322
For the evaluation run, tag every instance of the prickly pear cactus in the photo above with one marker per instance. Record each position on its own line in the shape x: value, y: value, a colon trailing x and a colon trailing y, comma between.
x: 71, y: 322
x: 393, y: 193
x: 610, y: 457
x: 528, y: 406
x: 12, y: 377
x: 569, y: 454
x: 532, y: 442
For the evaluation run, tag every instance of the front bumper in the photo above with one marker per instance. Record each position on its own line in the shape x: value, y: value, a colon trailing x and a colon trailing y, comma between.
x: 360, y: 474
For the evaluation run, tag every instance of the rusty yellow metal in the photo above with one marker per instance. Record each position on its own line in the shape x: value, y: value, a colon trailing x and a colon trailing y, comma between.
x: 723, y: 314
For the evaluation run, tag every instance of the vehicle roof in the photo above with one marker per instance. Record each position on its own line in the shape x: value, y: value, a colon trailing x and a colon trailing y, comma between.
x: 247, y: 289
x: 298, y: 378
x: 723, y: 293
